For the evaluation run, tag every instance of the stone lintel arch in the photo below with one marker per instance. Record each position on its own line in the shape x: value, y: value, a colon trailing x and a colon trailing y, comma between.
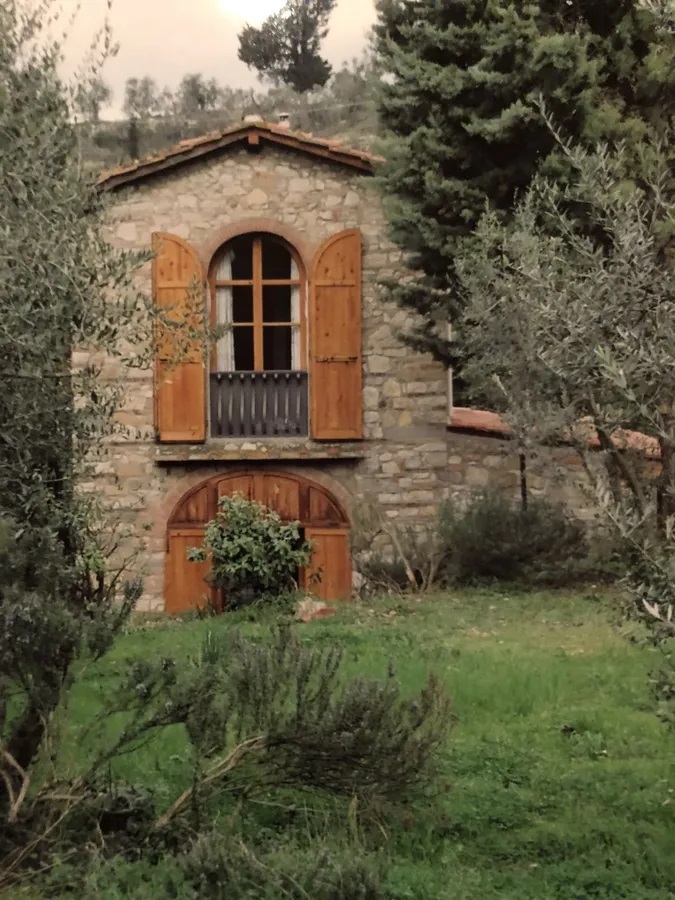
x: 263, y: 225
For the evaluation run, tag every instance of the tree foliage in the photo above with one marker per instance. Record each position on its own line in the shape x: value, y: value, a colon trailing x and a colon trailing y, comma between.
x: 62, y: 288
x: 565, y: 325
x: 254, y: 554
x: 461, y: 125
x: 286, y: 47
x: 91, y: 97
x: 570, y: 331
x: 141, y: 98
x: 344, y: 107
x: 198, y: 94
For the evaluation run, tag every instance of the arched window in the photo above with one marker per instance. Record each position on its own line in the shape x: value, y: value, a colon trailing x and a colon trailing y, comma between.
x: 259, y: 381
x: 265, y: 364
x: 258, y: 299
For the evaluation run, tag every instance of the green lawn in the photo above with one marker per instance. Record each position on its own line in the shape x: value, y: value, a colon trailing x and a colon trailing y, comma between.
x: 530, y: 811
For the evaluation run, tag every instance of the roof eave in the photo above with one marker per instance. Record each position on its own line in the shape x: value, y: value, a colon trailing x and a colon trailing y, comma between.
x: 253, y: 137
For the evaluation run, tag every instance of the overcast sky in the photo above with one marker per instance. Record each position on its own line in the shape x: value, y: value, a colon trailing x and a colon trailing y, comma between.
x: 167, y: 38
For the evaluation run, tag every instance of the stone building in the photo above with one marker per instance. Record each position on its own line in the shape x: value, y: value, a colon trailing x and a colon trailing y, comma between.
x: 307, y: 401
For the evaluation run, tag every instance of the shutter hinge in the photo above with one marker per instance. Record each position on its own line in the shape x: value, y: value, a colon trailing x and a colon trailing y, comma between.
x: 337, y: 358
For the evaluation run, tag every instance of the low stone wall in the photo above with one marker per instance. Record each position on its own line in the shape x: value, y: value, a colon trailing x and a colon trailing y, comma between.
x: 482, y: 461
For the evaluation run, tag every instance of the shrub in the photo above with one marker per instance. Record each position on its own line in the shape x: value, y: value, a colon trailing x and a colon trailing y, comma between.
x: 494, y: 537
x: 408, y: 562
x: 254, y: 554
x: 220, y: 865
x: 392, y: 556
x: 262, y: 715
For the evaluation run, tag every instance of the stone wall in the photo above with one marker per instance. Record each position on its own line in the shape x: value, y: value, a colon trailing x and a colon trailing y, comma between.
x: 401, y: 464
x: 477, y: 462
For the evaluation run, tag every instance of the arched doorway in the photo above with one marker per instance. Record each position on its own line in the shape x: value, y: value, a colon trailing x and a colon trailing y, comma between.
x: 293, y: 497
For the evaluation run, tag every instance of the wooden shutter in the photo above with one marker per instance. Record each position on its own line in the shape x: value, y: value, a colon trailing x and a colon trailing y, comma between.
x: 180, y: 363
x: 184, y: 585
x: 332, y: 558
x: 336, y: 379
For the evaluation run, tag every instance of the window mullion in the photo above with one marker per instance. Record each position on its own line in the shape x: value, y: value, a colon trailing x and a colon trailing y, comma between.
x: 257, y: 306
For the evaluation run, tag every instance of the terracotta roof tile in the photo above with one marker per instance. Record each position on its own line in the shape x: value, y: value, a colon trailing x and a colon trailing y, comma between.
x: 486, y: 422
x: 191, y: 148
x: 465, y: 419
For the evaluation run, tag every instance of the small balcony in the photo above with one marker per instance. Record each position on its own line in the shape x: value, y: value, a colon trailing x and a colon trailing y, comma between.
x: 259, y: 404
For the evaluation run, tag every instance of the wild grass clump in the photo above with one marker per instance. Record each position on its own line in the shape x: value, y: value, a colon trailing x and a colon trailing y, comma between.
x: 222, y: 865
x: 218, y: 866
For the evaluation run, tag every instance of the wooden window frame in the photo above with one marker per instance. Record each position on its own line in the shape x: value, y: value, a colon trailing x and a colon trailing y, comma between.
x: 258, y: 283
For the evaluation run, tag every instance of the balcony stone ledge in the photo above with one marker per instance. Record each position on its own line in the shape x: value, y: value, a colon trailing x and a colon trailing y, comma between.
x: 260, y: 449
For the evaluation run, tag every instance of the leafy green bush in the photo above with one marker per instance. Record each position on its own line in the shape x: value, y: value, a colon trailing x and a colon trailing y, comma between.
x: 494, y: 537
x: 254, y: 554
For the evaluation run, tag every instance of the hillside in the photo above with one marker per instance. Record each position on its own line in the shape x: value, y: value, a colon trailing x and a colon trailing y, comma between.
x: 351, y: 120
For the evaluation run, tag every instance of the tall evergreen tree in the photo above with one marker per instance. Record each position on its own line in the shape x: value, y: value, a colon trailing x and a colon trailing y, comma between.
x: 286, y: 47
x: 462, y: 127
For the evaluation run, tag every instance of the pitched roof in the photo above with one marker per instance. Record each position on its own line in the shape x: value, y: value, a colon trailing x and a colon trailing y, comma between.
x: 481, y: 421
x: 251, y: 134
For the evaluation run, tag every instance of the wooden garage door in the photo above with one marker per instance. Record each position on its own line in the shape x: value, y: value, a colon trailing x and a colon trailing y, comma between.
x: 234, y: 484
x: 185, y: 587
x: 331, y: 562
x: 294, y: 498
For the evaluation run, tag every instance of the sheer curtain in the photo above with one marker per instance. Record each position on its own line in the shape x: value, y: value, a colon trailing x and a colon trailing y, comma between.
x: 225, y: 344
x: 296, y: 357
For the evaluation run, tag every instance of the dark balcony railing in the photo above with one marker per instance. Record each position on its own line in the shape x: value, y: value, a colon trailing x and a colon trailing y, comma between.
x: 259, y: 404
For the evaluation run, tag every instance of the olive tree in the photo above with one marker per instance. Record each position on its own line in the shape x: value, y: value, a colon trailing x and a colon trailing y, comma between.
x: 66, y: 298
x: 569, y: 331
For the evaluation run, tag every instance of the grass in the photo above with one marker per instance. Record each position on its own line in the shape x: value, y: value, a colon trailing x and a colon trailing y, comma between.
x: 559, y: 772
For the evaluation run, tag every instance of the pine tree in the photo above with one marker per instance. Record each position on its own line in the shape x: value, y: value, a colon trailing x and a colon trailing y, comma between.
x: 286, y: 47
x: 462, y: 126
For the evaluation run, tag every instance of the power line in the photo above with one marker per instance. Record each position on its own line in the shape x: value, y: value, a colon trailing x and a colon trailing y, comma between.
x: 336, y: 106
x: 305, y: 109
